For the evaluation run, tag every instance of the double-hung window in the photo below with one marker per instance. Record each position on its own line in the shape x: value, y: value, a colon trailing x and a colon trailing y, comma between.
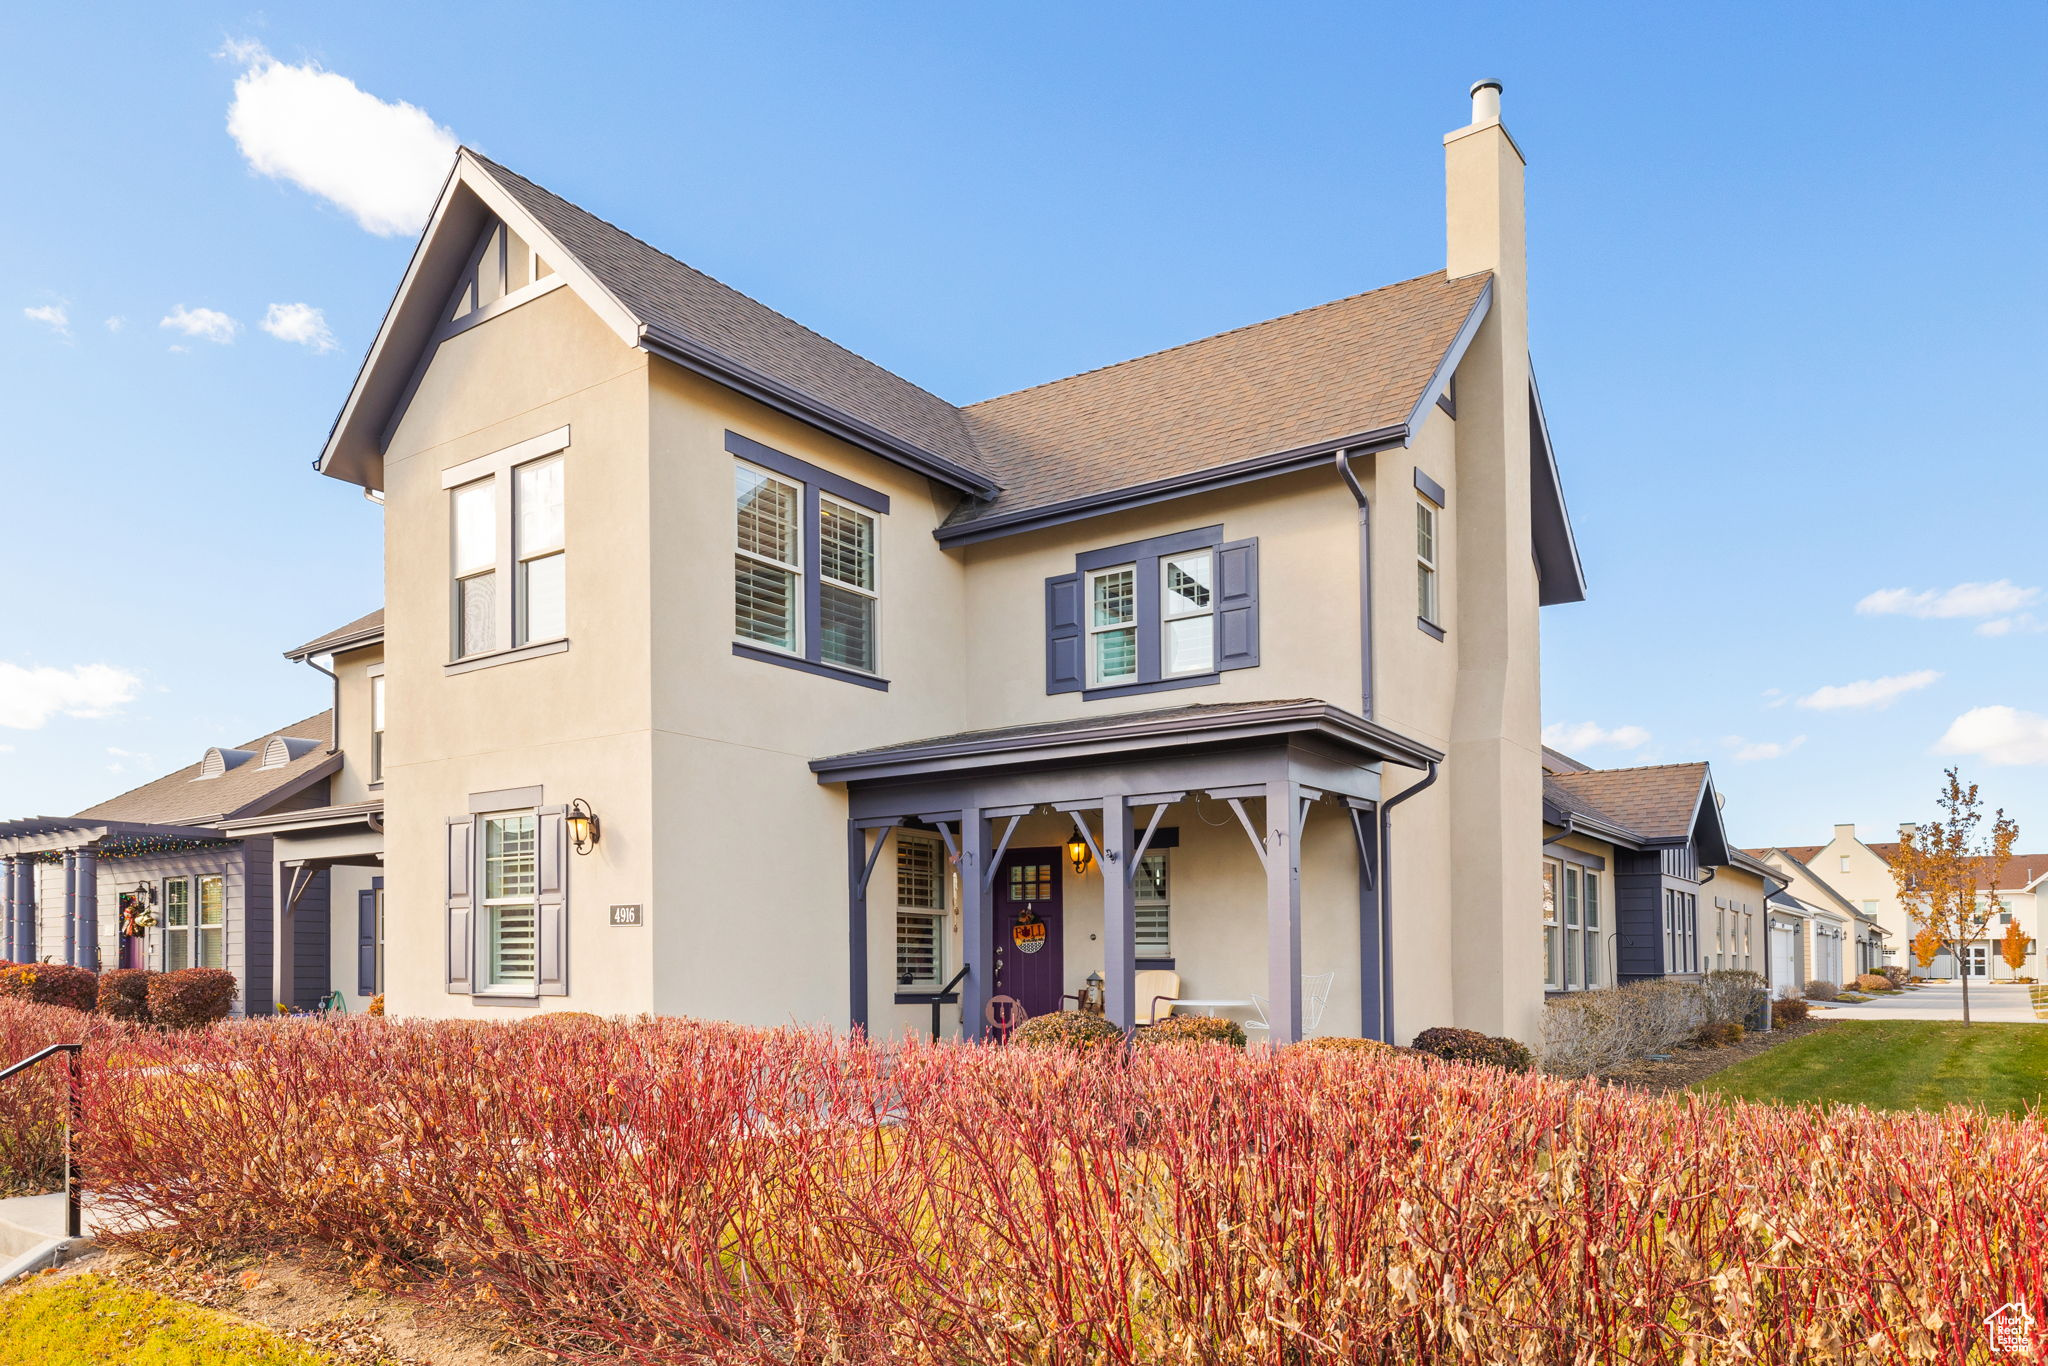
x: 511, y: 917
x: 920, y: 911
x: 1553, y: 966
x: 1152, y: 905
x: 212, y: 927
x: 1590, y: 913
x: 508, y: 546
x: 1574, y: 974
x: 1170, y: 612
x: 177, y: 923
x: 806, y: 586
x: 377, y: 728
x: 1426, y: 605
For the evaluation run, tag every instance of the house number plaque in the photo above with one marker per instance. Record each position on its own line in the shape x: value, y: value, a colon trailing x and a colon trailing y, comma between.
x: 625, y: 915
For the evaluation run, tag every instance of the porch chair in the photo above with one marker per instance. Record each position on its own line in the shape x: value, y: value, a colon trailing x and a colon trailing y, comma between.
x: 1315, y: 995
x: 1156, y: 989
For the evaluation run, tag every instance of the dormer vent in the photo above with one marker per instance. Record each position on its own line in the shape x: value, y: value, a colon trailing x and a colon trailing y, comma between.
x: 282, y: 749
x: 219, y: 761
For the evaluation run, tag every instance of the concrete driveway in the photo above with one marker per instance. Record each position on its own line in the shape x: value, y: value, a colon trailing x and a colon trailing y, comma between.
x: 1989, y: 1001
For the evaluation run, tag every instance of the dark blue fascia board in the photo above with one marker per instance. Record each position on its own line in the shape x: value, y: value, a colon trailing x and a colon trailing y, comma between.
x: 1163, y: 490
x: 1173, y: 543
x: 1156, y: 685
x: 1430, y: 489
x: 803, y: 471
x: 810, y: 666
x: 784, y: 399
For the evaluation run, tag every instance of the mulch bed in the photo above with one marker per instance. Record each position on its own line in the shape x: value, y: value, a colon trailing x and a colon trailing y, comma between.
x: 1690, y: 1065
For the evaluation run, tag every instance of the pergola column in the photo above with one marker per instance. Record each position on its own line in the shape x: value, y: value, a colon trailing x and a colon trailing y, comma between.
x: 1283, y: 909
x: 24, y: 947
x: 86, y: 877
x: 71, y: 906
x: 8, y: 931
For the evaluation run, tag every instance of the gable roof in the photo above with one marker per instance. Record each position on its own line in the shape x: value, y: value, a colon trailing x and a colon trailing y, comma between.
x: 364, y: 630
x: 2021, y: 870
x: 1658, y: 801
x: 182, y: 798
x: 1358, y: 374
x: 1800, y: 868
x: 1339, y: 375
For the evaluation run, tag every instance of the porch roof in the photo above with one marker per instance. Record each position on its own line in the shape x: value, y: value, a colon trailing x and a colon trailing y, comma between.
x: 47, y: 834
x: 1099, y: 738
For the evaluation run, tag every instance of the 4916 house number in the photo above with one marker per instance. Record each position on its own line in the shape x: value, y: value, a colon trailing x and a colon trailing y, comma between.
x: 625, y: 915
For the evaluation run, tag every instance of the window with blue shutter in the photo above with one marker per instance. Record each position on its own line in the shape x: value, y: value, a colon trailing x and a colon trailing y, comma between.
x: 1168, y: 612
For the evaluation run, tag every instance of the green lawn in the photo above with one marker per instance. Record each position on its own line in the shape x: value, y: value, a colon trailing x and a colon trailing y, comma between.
x: 1899, y: 1065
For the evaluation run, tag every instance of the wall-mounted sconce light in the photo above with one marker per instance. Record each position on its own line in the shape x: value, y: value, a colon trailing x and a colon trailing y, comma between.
x: 583, y: 828
x: 1078, y: 855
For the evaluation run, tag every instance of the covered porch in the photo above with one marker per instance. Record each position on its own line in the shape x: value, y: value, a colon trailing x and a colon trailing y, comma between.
x: 51, y: 871
x: 1246, y: 795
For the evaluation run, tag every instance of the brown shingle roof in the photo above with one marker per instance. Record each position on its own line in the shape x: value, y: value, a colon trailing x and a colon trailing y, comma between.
x: 2020, y: 869
x: 181, y: 799
x: 361, y: 631
x: 1657, y: 801
x: 1341, y: 369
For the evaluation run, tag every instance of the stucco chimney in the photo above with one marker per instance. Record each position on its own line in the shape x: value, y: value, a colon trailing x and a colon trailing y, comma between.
x: 1845, y: 832
x: 1483, y: 197
x: 1907, y: 829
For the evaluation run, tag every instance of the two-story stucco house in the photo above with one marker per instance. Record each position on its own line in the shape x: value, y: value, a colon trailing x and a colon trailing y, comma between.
x: 731, y: 675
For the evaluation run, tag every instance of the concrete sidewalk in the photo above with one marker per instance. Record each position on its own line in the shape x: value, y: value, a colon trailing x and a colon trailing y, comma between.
x: 1990, y: 1002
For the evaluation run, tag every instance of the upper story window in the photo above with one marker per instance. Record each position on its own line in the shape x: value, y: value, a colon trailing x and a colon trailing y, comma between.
x: 508, y: 549
x: 1426, y: 605
x: 806, y: 585
x: 377, y: 728
x: 1845, y: 863
x: 1169, y: 612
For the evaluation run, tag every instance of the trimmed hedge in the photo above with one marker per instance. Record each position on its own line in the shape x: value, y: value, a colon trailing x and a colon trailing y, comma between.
x: 1184, y: 1029
x: 191, y: 998
x: 124, y: 994
x: 1874, y: 981
x: 50, y: 984
x: 1790, y: 1011
x: 1070, y: 1030
x: 1469, y: 1045
x: 1339, y: 1043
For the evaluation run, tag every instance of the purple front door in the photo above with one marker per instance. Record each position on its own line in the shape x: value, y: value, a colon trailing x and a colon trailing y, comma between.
x: 1028, y: 942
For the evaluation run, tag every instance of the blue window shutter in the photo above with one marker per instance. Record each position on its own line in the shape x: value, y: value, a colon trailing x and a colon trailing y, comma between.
x: 551, y: 902
x: 366, y: 943
x: 1237, y: 604
x: 461, y: 928
x: 1064, y: 665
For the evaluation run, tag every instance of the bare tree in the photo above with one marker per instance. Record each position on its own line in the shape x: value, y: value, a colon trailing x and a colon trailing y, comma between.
x: 1948, y: 874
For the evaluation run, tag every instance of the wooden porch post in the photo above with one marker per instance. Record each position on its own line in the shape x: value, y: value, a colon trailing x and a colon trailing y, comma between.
x: 976, y: 934
x: 1371, y: 939
x: 860, y: 871
x: 1283, y: 910
x: 1119, y: 918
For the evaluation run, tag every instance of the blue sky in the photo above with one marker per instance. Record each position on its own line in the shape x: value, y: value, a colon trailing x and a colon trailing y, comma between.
x: 1786, y: 271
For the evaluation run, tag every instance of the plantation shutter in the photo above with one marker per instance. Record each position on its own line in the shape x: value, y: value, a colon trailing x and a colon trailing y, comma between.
x: 1064, y: 636
x: 1237, y: 604
x: 461, y: 928
x: 550, y: 904
x: 366, y: 943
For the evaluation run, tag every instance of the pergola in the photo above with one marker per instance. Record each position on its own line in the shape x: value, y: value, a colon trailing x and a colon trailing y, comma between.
x: 79, y: 843
x: 1290, y: 757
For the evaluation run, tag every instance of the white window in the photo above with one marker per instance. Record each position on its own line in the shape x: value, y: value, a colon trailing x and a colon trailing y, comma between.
x: 1152, y: 905
x: 769, y: 572
x: 920, y: 911
x: 537, y: 533
x: 1113, y: 625
x: 511, y: 922
x: 177, y: 924
x: 507, y: 541
x: 846, y: 587
x: 1425, y: 561
x: 767, y: 558
x: 1187, y: 609
x: 212, y: 928
x: 1594, y: 956
x: 377, y: 728
x: 1845, y: 863
x: 1553, y: 976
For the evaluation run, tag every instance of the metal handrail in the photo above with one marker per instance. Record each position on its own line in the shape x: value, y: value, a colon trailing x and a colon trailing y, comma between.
x: 74, y: 1119
x: 938, y: 998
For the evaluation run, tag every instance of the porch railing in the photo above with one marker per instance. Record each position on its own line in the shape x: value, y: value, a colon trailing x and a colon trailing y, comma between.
x: 74, y: 1115
x: 935, y: 999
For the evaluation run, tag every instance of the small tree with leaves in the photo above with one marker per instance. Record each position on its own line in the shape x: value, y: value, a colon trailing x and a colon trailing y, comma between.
x: 2013, y: 947
x: 1926, y: 947
x: 1948, y: 872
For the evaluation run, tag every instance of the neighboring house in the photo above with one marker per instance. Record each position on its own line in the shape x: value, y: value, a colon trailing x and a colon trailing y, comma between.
x: 1639, y: 881
x: 1860, y: 873
x: 733, y: 675
x: 263, y: 858
x: 1863, y: 949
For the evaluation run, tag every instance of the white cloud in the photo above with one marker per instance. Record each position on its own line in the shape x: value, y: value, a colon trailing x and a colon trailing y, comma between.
x: 1868, y: 692
x: 208, y: 324
x: 1575, y: 735
x: 2025, y: 623
x: 383, y: 161
x: 1963, y: 600
x: 116, y: 323
x: 2001, y: 736
x: 30, y: 697
x: 301, y: 323
x: 1748, y: 751
x: 54, y: 316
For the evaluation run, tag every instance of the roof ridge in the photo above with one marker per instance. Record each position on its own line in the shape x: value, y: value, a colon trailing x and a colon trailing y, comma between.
x: 668, y: 256
x: 1213, y: 336
x: 1636, y: 768
x: 255, y: 745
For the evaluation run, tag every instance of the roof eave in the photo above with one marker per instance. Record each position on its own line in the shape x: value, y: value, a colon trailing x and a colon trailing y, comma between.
x: 338, y: 645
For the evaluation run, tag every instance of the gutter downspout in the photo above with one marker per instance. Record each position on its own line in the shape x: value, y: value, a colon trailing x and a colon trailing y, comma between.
x: 1343, y: 462
x: 1386, y: 900
x: 335, y: 746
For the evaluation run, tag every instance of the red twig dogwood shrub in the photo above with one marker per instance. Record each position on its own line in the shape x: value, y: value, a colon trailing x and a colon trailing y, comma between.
x: 33, y: 1104
x: 675, y: 1192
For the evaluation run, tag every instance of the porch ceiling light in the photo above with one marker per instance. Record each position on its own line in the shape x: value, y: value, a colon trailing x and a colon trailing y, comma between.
x: 1078, y: 855
x: 583, y: 827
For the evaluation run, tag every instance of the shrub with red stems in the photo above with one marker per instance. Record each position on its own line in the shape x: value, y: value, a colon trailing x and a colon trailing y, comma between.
x: 190, y: 998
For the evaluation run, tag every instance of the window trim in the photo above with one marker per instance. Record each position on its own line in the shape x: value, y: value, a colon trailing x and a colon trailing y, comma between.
x: 938, y: 915
x: 1091, y: 631
x: 499, y: 467
x: 199, y: 925
x: 183, y: 883
x: 814, y: 484
x: 1163, y: 903
x: 1429, y: 605
x: 482, y: 985
x: 1552, y: 920
x: 377, y: 705
x: 1146, y: 559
